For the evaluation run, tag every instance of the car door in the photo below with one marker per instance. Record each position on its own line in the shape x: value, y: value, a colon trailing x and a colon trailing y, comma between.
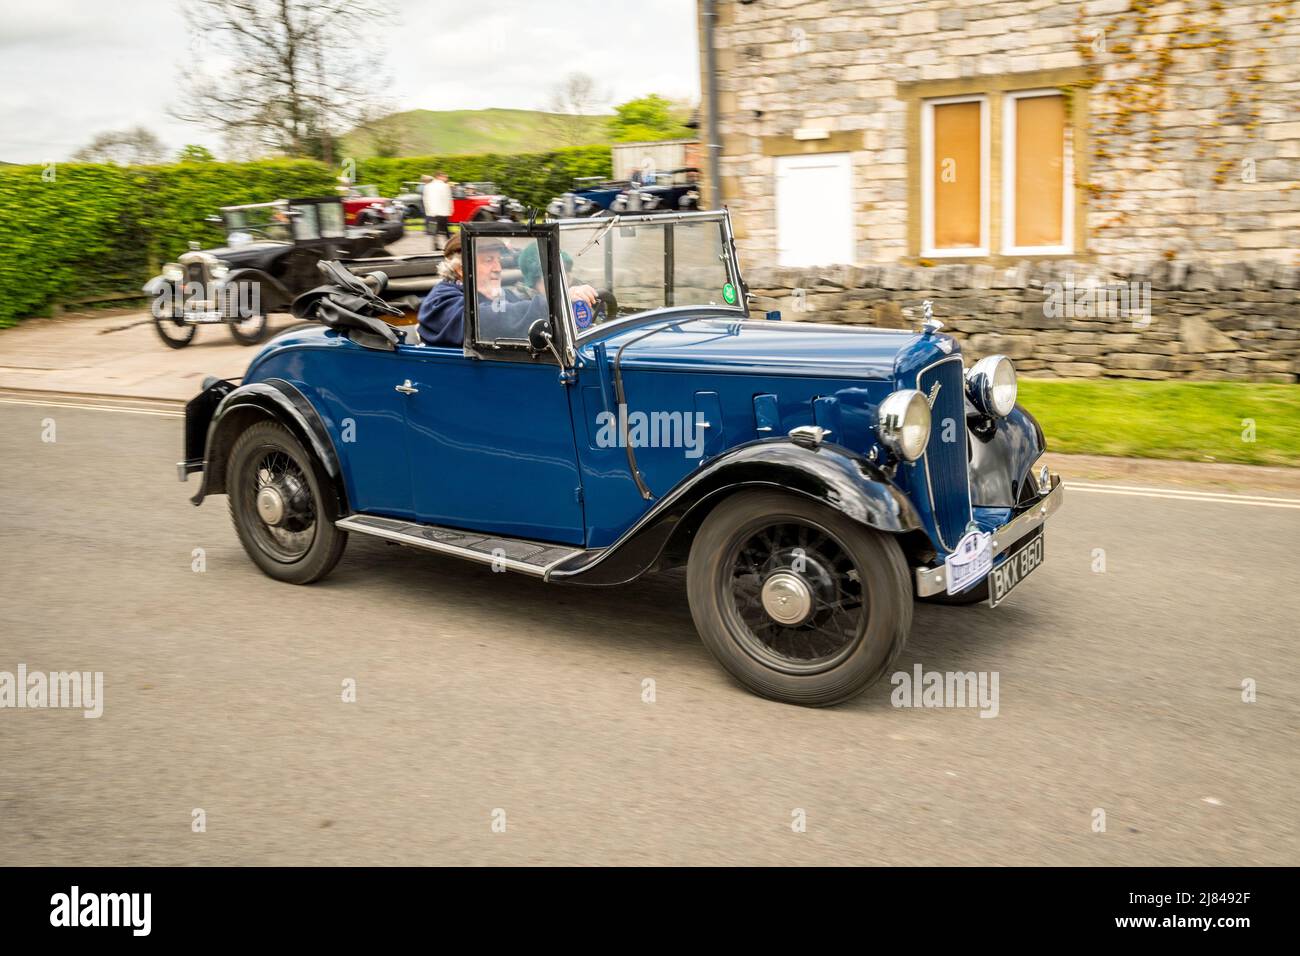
x: 488, y: 426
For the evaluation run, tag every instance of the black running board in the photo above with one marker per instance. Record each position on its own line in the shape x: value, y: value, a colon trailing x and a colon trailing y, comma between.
x: 536, y: 558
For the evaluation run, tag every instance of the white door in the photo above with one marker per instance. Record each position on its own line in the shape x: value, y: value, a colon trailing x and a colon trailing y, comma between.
x: 814, y: 209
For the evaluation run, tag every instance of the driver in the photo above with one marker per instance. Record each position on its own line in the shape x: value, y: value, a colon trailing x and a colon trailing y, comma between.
x: 442, y: 313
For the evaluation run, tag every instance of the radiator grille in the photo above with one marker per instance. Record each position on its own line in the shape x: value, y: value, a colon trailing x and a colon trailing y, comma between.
x: 945, y: 461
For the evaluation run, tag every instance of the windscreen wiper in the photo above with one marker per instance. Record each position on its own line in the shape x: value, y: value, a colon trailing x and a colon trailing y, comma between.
x: 598, y: 236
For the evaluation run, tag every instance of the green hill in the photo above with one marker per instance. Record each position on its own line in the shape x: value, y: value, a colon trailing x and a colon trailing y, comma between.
x: 426, y: 132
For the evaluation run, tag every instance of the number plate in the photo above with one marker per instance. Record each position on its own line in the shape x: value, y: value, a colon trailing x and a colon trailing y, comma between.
x: 1008, y: 575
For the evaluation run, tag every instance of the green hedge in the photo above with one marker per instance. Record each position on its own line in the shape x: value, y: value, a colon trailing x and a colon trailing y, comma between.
x: 77, y: 230
x: 532, y: 178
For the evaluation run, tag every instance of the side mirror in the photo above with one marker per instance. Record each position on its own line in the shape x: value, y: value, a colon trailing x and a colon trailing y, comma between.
x: 539, y: 336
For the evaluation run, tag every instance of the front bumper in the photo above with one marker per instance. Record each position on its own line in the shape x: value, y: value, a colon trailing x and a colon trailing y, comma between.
x: 933, y: 580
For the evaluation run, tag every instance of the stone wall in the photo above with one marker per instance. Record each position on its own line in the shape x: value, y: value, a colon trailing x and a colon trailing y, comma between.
x: 1194, y: 321
x: 1188, y: 137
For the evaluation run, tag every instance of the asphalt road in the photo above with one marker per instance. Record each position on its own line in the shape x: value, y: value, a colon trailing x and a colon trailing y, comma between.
x: 480, y: 692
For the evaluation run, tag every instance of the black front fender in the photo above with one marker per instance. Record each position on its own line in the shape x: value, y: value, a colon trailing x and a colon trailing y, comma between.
x: 830, y: 474
x: 1002, y: 452
x: 275, y: 399
x: 275, y: 295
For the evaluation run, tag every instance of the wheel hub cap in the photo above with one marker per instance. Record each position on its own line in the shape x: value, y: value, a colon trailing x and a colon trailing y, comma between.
x: 787, y: 599
x: 270, y: 505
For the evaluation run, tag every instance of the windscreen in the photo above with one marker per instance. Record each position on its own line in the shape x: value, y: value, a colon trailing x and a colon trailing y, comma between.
x: 646, y: 265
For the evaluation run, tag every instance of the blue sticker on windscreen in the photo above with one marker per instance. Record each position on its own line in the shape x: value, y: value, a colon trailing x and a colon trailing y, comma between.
x: 582, y: 314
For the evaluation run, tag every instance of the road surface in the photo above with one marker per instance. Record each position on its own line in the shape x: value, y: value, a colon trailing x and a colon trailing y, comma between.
x: 487, y: 698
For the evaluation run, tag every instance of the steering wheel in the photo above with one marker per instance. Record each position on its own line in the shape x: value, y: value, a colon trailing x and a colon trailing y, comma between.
x: 606, y: 306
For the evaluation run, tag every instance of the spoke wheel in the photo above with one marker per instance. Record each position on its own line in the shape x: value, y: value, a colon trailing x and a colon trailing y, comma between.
x: 252, y: 330
x: 176, y: 333
x: 797, y: 601
x: 282, y: 505
x: 797, y: 596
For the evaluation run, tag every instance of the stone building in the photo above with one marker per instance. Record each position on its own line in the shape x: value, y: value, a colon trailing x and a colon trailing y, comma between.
x: 1108, y: 187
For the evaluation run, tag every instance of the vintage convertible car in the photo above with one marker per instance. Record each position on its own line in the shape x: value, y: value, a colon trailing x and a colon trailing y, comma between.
x: 270, y: 257
x: 812, y: 479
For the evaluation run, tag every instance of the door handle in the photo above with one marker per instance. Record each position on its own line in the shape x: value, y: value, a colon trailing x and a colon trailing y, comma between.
x: 406, y: 388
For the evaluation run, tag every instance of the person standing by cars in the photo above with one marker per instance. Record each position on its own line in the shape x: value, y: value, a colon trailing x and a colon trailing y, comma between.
x: 436, y: 194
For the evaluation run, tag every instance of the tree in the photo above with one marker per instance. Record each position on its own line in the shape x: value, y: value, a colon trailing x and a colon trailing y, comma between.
x: 293, y: 74
x: 573, y: 100
x: 127, y: 147
x: 649, y: 118
x: 195, y: 153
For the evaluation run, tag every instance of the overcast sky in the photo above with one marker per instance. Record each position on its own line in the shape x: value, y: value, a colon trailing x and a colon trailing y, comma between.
x: 72, y: 68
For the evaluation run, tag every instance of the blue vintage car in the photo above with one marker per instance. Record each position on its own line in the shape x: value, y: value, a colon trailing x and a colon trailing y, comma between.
x: 615, y: 409
x: 590, y: 196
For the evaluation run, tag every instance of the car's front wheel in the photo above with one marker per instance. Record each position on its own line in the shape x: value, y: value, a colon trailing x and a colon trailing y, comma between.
x: 796, y: 601
x: 282, y: 506
x: 252, y: 330
x: 175, y: 332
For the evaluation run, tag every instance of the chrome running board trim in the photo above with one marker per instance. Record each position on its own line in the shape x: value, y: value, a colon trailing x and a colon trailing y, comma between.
x: 535, y: 558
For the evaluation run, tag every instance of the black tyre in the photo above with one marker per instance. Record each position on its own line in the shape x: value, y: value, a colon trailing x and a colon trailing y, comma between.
x: 175, y: 333
x: 796, y: 601
x: 979, y: 594
x: 282, y: 505
x: 252, y: 330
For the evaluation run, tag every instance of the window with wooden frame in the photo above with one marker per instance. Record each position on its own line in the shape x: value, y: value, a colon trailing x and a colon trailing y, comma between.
x: 1037, y: 174
x: 955, y: 176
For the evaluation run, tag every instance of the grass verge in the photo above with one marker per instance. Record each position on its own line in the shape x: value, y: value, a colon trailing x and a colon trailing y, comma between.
x: 1244, y: 422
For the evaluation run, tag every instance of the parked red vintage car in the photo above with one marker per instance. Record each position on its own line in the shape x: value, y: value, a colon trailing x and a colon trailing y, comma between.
x: 363, y: 206
x: 481, y: 202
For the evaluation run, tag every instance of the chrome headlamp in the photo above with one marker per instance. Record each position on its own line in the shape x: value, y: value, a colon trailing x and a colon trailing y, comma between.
x: 903, y: 423
x: 991, y: 385
x: 173, y: 272
x: 219, y: 270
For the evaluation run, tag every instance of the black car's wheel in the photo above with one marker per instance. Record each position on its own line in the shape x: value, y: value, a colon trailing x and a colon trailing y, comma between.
x: 176, y: 333
x: 252, y: 330
x: 979, y: 594
x: 796, y: 601
x: 282, y: 506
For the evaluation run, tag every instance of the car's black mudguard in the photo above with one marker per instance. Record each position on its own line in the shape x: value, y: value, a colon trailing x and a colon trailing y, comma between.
x: 275, y: 297
x: 1002, y: 453
x: 275, y: 399
x: 830, y: 474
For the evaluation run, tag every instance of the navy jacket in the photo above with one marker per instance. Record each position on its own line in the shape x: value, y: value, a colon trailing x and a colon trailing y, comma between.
x: 442, y: 316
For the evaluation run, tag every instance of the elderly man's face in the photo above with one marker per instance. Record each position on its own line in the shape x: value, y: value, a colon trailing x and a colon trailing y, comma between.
x: 487, y: 272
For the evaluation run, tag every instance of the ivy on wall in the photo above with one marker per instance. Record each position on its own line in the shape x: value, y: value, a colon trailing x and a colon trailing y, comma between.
x: 1130, y: 58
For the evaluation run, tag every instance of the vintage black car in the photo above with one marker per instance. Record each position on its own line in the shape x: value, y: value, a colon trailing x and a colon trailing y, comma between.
x: 677, y: 190
x: 270, y: 257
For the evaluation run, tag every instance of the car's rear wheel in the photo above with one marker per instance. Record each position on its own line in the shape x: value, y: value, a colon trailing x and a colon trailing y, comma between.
x: 175, y: 332
x: 252, y: 330
x: 796, y: 601
x: 282, y: 506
